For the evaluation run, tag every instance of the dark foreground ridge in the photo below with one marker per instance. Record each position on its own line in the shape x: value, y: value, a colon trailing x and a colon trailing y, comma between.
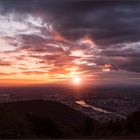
x: 49, y: 119
x: 42, y: 119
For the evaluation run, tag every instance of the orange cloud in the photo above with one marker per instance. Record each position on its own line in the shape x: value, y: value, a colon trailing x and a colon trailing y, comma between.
x: 87, y: 40
x: 107, y: 67
x: 57, y: 36
x: 5, y: 63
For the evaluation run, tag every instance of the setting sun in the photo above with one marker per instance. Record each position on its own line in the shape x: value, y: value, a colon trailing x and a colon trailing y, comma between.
x: 76, y: 80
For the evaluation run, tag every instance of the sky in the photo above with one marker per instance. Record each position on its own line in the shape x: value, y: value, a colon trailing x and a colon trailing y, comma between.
x: 48, y: 41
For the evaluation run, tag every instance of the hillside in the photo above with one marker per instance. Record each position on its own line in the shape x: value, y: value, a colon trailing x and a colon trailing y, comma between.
x: 42, y: 119
x: 50, y: 119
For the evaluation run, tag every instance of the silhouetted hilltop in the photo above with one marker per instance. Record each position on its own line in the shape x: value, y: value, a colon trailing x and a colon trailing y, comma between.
x: 51, y: 109
x: 42, y: 119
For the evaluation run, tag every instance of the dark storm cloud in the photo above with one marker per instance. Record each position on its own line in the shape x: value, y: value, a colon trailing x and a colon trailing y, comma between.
x: 106, y: 22
x: 131, y: 65
x: 122, y: 53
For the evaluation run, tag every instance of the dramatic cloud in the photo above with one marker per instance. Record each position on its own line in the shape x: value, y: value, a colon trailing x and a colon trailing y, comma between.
x: 46, y: 39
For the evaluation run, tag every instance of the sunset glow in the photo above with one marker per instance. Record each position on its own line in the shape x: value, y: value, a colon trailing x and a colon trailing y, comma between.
x: 76, y: 80
x: 38, y: 47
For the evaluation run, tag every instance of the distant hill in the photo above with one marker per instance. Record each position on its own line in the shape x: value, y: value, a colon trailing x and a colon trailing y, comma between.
x: 42, y: 119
